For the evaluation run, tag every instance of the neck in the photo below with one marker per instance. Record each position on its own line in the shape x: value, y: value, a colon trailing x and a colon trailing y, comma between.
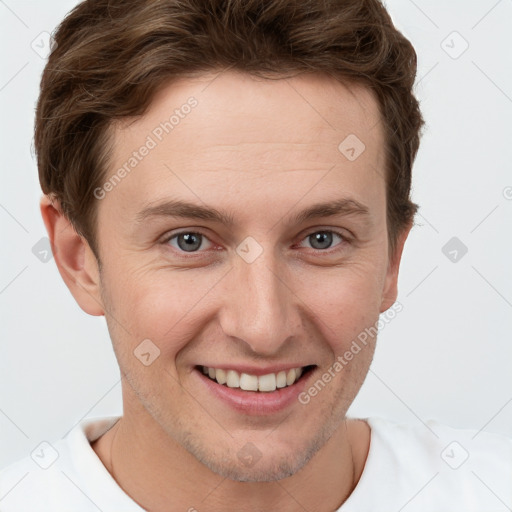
x: 160, y: 474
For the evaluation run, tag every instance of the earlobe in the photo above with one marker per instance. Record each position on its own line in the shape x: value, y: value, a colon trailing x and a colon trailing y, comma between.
x: 74, y: 258
x: 390, y: 291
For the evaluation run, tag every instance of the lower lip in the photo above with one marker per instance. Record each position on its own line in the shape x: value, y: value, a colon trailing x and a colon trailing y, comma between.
x: 259, y: 403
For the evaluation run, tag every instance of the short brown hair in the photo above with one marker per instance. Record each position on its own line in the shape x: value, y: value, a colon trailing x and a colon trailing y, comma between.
x: 111, y: 56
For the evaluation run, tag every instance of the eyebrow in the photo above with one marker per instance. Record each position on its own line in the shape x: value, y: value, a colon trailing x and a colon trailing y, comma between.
x: 183, y: 209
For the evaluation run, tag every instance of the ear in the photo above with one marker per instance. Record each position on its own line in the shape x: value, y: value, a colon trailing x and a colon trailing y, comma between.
x: 75, y: 260
x: 390, y: 291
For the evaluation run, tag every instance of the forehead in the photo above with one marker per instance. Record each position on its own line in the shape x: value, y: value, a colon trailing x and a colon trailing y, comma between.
x: 217, y: 134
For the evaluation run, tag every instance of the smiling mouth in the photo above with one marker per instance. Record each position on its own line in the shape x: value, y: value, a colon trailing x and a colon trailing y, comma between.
x: 258, y: 383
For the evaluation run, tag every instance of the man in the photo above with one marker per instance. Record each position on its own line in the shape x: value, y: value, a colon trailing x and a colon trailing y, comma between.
x: 228, y: 183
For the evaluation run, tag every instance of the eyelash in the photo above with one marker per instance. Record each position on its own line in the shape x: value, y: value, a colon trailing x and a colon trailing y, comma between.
x: 344, y: 240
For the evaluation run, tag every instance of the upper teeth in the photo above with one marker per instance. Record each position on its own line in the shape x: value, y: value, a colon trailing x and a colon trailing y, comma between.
x: 247, y: 382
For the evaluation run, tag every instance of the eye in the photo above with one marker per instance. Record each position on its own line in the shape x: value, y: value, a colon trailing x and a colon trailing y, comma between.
x: 322, y: 240
x: 192, y: 241
x: 187, y: 241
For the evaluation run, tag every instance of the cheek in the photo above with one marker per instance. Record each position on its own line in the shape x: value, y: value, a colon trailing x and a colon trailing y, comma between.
x: 344, y: 301
x: 170, y: 307
x: 164, y: 306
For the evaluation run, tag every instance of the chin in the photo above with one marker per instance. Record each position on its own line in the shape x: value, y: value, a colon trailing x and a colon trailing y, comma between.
x: 269, y: 471
x: 268, y: 465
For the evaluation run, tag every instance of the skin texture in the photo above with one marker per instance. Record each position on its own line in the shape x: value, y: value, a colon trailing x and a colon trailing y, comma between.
x: 261, y: 151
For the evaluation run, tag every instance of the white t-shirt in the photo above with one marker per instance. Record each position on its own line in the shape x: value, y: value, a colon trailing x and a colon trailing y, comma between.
x: 409, y: 468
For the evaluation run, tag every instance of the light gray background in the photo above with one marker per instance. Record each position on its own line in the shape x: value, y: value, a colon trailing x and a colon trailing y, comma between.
x: 446, y: 356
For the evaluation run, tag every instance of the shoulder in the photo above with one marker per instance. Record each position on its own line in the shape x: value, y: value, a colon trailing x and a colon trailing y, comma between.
x: 436, y: 467
x: 36, y: 481
x: 436, y: 442
x: 64, y: 475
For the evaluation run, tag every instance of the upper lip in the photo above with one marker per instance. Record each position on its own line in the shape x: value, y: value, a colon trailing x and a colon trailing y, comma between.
x: 256, y: 370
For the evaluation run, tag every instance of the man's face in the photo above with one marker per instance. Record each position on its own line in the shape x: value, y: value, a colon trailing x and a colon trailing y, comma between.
x: 261, y: 295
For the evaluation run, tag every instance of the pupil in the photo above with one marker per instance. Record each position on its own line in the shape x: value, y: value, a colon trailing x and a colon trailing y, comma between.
x: 323, y: 238
x: 192, y: 241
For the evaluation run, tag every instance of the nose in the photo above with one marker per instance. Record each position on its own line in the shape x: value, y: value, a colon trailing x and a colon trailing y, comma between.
x: 260, y: 307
